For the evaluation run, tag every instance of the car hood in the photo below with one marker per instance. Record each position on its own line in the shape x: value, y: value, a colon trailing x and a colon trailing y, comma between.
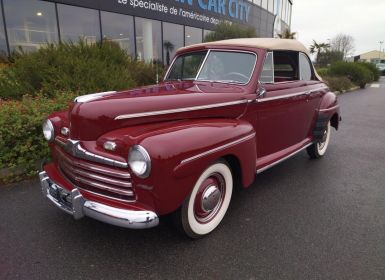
x: 93, y: 115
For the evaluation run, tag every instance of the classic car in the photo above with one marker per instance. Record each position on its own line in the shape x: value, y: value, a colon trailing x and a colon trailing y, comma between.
x: 224, y: 112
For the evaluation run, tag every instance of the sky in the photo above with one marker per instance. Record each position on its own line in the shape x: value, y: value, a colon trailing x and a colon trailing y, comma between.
x: 321, y: 20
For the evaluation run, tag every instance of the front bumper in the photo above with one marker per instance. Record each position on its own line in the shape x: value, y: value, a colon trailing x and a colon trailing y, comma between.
x: 76, y: 205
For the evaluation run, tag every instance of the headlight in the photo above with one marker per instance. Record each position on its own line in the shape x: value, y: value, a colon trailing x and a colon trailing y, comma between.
x: 139, y: 161
x: 48, y: 130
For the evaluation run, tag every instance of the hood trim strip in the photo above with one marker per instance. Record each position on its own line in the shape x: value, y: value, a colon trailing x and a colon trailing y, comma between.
x: 179, y: 110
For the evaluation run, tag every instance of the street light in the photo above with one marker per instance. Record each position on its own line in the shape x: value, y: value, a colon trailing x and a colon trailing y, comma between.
x: 381, y: 42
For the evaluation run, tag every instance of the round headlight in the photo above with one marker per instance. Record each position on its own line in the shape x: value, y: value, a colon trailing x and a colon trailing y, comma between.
x: 48, y: 130
x: 139, y: 161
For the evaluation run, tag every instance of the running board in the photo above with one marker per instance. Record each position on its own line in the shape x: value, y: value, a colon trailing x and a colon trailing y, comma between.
x: 283, y: 159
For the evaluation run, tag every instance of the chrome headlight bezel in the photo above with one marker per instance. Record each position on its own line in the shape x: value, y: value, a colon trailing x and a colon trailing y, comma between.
x: 139, y: 154
x: 48, y: 130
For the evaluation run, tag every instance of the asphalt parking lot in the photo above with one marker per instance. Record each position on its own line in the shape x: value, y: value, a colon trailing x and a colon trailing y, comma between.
x: 303, y: 219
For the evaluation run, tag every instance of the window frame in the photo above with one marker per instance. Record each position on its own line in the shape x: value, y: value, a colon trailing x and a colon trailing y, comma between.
x: 310, y: 64
x: 272, y: 63
x: 299, y: 68
x: 204, y: 61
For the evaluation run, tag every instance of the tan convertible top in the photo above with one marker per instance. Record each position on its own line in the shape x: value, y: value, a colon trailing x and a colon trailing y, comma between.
x: 270, y: 44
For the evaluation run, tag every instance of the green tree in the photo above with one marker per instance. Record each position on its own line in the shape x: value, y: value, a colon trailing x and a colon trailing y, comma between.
x: 226, y: 30
x: 287, y: 34
x: 317, y: 48
x: 329, y: 57
x: 169, y: 48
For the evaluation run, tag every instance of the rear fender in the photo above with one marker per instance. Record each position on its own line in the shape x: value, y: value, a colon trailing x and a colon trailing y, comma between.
x: 328, y: 111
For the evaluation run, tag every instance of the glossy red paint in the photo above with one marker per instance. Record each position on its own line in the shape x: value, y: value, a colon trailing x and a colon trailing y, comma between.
x: 255, y: 132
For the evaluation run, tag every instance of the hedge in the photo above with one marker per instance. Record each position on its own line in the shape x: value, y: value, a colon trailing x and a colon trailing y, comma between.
x: 357, y: 73
x: 22, y: 144
x: 70, y: 67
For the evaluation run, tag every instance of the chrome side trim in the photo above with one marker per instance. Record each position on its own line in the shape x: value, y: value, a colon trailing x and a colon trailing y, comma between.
x: 218, y: 148
x: 80, y: 207
x: 329, y: 109
x: 282, y: 159
x: 179, y: 110
x: 74, y: 148
x: 282, y: 96
x: 92, y: 96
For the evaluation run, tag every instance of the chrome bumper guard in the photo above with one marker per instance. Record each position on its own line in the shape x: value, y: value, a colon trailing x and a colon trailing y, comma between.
x: 74, y: 204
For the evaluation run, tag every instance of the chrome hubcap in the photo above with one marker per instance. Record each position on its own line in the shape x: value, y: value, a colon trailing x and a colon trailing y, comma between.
x: 321, y: 145
x: 209, y: 198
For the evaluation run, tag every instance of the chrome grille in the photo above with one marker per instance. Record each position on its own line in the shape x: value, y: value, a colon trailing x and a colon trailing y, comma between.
x: 97, y: 179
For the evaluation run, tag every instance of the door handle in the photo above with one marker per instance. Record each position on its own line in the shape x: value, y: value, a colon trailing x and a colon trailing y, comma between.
x: 261, y: 92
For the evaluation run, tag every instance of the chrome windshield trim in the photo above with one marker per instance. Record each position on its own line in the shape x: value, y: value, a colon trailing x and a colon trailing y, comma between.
x: 243, y: 139
x: 92, y: 96
x: 74, y: 148
x: 202, y: 64
x: 204, y: 61
x: 179, y: 110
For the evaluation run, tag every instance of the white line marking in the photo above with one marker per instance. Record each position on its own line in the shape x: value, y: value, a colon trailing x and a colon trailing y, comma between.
x: 375, y: 85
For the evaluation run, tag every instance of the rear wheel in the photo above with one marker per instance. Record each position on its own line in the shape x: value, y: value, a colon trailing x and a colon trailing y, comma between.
x: 318, y: 149
x: 208, y: 202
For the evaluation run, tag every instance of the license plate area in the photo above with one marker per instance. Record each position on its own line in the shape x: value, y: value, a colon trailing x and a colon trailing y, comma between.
x: 61, y: 195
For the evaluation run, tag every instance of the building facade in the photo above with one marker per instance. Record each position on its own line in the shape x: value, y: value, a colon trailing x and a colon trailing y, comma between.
x: 372, y: 57
x: 145, y: 28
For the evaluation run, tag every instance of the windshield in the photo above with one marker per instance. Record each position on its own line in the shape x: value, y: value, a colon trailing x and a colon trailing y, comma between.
x: 215, y: 66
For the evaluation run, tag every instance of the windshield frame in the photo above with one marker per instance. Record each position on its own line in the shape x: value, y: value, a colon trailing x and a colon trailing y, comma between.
x: 204, y: 61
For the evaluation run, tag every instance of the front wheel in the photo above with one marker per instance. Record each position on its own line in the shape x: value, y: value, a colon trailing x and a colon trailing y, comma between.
x: 318, y: 149
x: 208, y: 202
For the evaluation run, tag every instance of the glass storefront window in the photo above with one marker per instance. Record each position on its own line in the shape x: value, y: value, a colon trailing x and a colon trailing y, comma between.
x: 205, y: 33
x: 78, y: 24
x: 3, y: 42
x: 30, y: 24
x: 283, y: 16
x: 264, y: 4
x: 172, y: 40
x: 120, y: 29
x: 271, y: 6
x: 192, y: 35
x: 148, y: 39
x: 257, y: 2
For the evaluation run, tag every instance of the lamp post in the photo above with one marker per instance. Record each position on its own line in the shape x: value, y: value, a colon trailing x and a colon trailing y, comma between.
x: 381, y: 42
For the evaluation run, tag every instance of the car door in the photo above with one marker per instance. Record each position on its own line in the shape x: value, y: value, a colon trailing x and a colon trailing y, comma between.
x: 283, y: 111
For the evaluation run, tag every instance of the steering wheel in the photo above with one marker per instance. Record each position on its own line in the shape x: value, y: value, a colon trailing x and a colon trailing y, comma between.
x: 236, y: 76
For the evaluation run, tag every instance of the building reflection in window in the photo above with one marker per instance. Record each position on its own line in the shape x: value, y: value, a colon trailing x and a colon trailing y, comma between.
x: 30, y: 24
x: 172, y: 40
x: 148, y: 39
x: 120, y: 29
x: 78, y: 24
x: 192, y: 35
x: 3, y: 42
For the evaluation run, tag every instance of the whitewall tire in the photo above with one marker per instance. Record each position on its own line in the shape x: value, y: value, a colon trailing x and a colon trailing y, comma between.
x: 318, y: 149
x: 208, y: 202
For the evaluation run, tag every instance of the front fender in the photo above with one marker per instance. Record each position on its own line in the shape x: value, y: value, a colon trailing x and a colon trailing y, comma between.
x: 185, y: 149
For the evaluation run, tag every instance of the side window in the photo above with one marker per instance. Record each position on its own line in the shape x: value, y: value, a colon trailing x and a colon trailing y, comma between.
x: 267, y: 75
x: 305, y: 68
x: 285, y: 66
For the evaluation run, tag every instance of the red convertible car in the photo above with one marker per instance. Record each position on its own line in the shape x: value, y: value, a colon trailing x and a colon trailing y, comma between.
x: 224, y: 112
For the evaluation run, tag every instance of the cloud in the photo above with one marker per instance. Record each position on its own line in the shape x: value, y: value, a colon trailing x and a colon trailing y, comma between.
x: 322, y: 20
